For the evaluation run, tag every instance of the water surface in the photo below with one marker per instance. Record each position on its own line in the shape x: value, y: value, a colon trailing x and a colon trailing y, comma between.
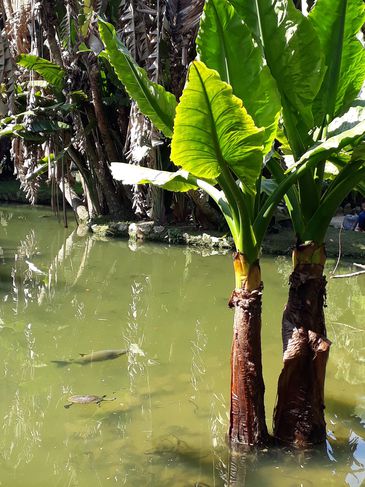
x: 64, y: 293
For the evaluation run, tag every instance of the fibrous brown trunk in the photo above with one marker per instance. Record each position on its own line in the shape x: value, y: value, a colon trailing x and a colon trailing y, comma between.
x: 49, y: 21
x: 247, y: 414
x: 299, y: 412
x: 116, y: 197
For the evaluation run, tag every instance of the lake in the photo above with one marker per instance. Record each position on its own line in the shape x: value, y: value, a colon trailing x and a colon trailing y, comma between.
x: 64, y: 292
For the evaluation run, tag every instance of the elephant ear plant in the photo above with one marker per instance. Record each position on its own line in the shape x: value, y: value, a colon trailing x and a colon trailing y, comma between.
x: 219, y: 149
x: 319, y: 67
x: 222, y: 133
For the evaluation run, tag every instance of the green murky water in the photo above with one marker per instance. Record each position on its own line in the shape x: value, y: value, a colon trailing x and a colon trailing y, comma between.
x: 63, y: 294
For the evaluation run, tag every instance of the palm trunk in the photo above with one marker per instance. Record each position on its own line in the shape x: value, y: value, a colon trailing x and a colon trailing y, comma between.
x: 247, y: 415
x: 299, y: 412
x: 115, y: 195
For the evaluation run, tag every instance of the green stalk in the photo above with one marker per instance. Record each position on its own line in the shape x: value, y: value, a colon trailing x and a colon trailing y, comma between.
x: 342, y: 164
x: 317, y: 227
x: 308, y: 191
x: 347, y: 170
x: 257, y: 202
x: 263, y: 218
x: 291, y: 197
x: 247, y: 240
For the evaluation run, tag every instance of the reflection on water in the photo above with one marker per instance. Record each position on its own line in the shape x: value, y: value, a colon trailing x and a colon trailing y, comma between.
x: 64, y: 292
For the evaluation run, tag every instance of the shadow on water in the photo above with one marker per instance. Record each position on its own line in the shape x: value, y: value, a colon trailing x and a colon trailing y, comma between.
x: 265, y: 467
x: 274, y: 466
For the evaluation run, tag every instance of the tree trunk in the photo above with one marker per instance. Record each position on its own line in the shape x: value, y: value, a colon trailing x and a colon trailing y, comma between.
x: 299, y: 412
x: 118, y: 202
x: 88, y: 182
x: 119, y: 206
x: 49, y: 21
x: 247, y: 415
x: 74, y: 201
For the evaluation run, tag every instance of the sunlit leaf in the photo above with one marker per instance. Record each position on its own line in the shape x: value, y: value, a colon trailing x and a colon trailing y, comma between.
x: 213, y: 131
x: 337, y: 23
x: 51, y: 72
x: 172, y: 181
x: 225, y: 44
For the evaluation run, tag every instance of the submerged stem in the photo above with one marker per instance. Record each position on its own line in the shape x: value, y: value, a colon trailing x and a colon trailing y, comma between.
x: 299, y: 412
x: 247, y: 413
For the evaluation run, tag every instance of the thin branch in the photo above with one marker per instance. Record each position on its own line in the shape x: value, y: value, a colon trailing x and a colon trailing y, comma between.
x: 339, y: 250
x: 352, y: 274
x: 348, y: 326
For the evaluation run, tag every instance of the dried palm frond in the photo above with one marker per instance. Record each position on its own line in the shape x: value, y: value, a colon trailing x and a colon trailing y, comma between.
x: 7, y: 70
x: 140, y: 29
x: 181, y: 24
x: 17, y: 29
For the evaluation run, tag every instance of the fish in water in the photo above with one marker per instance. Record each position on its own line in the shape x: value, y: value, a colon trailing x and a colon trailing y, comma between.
x: 98, y: 356
x: 87, y: 399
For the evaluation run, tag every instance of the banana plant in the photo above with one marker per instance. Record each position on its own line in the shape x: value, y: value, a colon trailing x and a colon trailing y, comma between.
x: 318, y: 65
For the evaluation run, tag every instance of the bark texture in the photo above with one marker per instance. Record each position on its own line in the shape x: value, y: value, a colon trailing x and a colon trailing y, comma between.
x: 247, y: 415
x: 299, y: 413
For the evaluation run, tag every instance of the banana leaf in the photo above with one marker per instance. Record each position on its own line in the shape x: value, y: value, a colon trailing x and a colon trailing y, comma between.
x: 51, y: 72
x: 152, y: 99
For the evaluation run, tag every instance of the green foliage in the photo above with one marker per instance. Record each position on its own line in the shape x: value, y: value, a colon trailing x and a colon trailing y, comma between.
x: 292, y: 51
x: 321, y: 151
x: 336, y: 23
x: 315, y: 155
x: 267, y: 54
x: 213, y: 130
x: 172, y: 181
x: 225, y: 44
x: 152, y: 99
x: 51, y: 72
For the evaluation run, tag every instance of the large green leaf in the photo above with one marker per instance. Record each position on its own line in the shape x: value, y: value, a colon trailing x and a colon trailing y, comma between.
x: 319, y: 153
x: 172, y: 181
x: 317, y: 226
x: 51, y: 72
x: 213, y: 130
x: 337, y: 22
x: 152, y: 99
x: 179, y: 181
x: 340, y: 139
x: 225, y: 44
x: 248, y: 10
x: 292, y: 50
x: 45, y: 125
